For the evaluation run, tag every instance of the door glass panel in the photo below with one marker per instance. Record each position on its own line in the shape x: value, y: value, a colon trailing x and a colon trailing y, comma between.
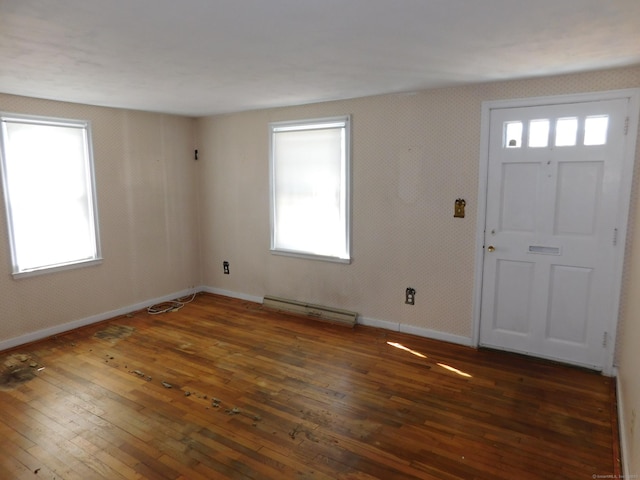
x: 513, y: 134
x: 595, y: 130
x: 566, y: 132
x: 539, y: 133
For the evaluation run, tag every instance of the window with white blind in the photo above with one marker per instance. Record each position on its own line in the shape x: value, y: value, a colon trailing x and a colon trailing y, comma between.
x: 310, y: 188
x: 47, y: 172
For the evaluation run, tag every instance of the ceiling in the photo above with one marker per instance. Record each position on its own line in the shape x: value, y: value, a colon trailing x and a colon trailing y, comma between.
x: 203, y: 57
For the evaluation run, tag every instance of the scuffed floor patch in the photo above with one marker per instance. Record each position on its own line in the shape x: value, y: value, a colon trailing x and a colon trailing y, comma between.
x: 114, y: 332
x: 16, y: 369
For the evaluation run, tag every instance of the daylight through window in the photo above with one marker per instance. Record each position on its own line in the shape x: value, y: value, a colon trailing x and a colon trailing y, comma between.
x: 310, y: 188
x: 47, y: 172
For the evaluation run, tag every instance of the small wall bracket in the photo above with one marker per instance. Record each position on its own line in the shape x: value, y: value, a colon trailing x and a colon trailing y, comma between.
x: 410, y: 296
x: 458, y: 211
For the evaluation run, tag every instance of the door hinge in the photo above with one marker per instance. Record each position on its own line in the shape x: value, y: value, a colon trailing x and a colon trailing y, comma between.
x: 615, y: 237
x: 605, y: 339
x: 626, y: 125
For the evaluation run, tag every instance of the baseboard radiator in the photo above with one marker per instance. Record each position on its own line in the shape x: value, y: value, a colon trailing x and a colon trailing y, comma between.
x: 317, y: 312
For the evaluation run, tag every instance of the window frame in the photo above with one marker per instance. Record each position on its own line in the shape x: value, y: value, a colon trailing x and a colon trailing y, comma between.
x: 89, y: 185
x: 343, y: 122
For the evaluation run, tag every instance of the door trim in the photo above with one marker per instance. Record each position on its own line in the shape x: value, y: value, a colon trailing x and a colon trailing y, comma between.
x: 633, y: 97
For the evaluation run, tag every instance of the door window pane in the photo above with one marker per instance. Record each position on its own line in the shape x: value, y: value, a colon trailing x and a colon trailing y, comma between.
x: 595, y: 130
x: 513, y: 134
x: 539, y: 133
x: 566, y: 132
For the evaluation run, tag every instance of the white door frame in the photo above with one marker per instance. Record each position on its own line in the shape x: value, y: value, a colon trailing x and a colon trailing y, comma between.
x: 625, y: 189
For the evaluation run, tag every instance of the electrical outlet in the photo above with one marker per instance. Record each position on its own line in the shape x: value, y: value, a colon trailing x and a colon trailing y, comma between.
x: 225, y: 267
x: 410, y: 296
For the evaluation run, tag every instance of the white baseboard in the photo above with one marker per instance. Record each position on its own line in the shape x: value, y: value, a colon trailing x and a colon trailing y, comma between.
x: 232, y: 294
x: 367, y: 321
x: 418, y: 331
x: 65, y: 327
x: 624, y: 447
x: 83, y: 322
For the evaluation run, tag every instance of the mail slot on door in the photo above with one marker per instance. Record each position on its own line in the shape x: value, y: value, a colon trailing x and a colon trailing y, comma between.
x: 542, y: 250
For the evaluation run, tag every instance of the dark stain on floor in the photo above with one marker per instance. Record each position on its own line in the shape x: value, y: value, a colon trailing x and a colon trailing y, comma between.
x: 114, y: 332
x: 16, y: 369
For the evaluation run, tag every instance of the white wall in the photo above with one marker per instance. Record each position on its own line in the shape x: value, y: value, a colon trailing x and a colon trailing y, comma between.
x: 168, y: 222
x: 147, y: 207
x: 629, y: 352
x: 413, y: 155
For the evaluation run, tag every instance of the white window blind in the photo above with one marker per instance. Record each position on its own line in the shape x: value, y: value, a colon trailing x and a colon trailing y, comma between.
x: 49, y: 193
x: 310, y: 188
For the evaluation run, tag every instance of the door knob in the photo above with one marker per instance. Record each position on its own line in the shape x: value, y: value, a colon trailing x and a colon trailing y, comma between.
x: 491, y: 248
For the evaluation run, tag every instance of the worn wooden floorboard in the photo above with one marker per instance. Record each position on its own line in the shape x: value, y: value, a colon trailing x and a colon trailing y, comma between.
x: 225, y: 389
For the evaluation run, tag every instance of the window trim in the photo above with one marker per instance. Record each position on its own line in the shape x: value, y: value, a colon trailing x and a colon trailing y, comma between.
x: 90, y: 183
x: 343, y: 121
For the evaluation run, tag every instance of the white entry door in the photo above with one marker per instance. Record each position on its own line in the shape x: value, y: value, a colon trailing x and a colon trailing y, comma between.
x: 553, y: 229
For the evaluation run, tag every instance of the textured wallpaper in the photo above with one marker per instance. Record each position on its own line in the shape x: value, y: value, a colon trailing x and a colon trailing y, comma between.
x: 147, y: 208
x: 412, y: 156
x: 168, y: 222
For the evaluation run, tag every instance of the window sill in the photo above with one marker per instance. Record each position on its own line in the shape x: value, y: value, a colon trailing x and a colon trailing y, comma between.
x: 310, y: 256
x: 57, y: 268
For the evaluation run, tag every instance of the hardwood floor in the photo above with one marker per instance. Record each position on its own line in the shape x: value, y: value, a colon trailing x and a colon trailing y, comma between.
x: 262, y: 395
